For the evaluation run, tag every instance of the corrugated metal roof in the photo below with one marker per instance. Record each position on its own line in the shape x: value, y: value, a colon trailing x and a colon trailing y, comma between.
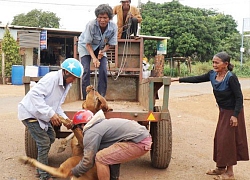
x: 64, y: 31
x: 145, y: 37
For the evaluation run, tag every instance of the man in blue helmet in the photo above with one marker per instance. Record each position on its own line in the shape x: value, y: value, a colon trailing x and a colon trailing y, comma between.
x: 39, y: 110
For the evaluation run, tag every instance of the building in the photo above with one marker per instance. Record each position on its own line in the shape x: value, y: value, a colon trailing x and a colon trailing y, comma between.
x: 43, y: 46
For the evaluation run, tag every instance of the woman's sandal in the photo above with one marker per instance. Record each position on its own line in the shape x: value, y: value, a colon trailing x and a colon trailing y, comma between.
x: 217, y: 171
x: 224, y: 177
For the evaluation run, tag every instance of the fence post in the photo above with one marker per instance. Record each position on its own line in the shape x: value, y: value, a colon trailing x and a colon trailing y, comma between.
x: 3, y: 67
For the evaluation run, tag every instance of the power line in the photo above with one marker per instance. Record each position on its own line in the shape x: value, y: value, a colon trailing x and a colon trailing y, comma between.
x: 223, y: 3
x: 47, y: 3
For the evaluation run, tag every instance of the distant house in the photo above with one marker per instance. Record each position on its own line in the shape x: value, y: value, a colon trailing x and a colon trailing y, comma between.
x: 43, y: 46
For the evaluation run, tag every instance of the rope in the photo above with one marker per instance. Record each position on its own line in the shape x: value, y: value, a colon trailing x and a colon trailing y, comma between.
x: 95, y: 86
x: 125, y: 51
x: 95, y: 79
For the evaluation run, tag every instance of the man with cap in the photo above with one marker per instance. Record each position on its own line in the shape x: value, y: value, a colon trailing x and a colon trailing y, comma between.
x: 128, y: 18
x: 39, y: 110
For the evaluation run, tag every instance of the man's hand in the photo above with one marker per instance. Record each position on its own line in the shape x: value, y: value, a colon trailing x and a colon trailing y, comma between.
x: 69, y: 125
x: 55, y: 120
x: 130, y: 15
x: 96, y: 62
x: 100, y: 54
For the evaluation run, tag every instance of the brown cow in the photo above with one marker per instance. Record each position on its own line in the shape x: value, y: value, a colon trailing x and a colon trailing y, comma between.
x: 94, y: 101
x: 64, y: 170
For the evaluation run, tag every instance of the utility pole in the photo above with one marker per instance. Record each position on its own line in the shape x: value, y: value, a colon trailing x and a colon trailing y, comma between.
x: 139, y: 4
x: 242, y: 46
x: 139, y: 24
x: 245, y: 28
x: 2, y: 54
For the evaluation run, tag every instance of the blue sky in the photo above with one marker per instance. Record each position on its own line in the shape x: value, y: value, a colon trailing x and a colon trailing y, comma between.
x: 75, y: 14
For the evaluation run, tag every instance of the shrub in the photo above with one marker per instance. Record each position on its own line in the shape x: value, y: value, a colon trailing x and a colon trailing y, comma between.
x: 199, y: 68
x: 11, y: 51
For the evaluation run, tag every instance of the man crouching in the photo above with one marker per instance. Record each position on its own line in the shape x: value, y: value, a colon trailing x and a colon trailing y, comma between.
x: 109, y: 142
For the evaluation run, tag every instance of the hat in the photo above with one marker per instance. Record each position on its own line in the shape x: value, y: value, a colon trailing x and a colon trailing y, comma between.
x: 125, y: 0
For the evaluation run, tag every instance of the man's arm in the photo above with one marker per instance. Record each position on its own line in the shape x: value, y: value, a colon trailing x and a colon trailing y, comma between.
x: 114, y: 10
x: 91, y: 144
x: 136, y: 13
x: 92, y: 54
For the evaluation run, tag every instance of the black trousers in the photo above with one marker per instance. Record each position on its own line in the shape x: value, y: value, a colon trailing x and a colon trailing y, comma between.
x: 131, y: 28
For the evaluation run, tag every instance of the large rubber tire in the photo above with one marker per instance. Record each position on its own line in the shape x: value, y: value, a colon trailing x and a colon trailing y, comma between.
x: 161, y: 148
x: 30, y: 145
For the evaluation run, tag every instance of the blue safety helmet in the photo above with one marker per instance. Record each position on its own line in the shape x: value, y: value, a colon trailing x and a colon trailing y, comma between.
x: 73, y: 66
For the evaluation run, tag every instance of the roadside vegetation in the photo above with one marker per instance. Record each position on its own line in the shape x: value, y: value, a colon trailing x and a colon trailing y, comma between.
x: 198, y: 68
x: 196, y: 34
x: 193, y: 32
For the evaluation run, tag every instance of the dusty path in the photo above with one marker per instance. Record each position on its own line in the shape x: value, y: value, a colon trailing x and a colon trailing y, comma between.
x: 194, y: 116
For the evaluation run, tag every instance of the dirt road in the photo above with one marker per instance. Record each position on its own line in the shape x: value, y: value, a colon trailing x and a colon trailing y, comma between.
x: 194, y: 115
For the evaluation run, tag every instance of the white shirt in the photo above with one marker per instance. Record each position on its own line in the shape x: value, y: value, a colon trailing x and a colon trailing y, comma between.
x: 44, y: 99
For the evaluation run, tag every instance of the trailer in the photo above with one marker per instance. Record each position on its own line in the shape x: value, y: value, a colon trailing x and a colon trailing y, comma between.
x: 131, y: 96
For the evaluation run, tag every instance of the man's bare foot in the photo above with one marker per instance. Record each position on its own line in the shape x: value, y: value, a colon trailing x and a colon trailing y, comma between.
x: 136, y: 37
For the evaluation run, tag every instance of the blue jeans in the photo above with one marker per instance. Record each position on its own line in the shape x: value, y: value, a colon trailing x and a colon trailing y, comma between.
x: 102, y: 76
x: 43, y: 139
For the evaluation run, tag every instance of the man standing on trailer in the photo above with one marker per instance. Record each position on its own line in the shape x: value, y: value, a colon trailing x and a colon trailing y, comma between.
x: 128, y: 18
x: 94, y: 42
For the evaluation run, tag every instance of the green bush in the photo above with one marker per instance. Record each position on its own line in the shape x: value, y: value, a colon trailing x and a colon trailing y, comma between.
x: 11, y: 50
x: 241, y: 70
x: 198, y: 68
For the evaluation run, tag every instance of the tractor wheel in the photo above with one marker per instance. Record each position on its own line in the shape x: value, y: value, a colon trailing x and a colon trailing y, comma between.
x: 30, y: 145
x: 161, y: 148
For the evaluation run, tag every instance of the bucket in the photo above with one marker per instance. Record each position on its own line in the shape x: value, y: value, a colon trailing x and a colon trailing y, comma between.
x: 31, y: 71
x: 43, y: 70
x: 146, y: 74
x: 17, y: 73
x: 54, y: 68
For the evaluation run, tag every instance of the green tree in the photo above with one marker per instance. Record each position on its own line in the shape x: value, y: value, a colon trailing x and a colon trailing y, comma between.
x: 11, y: 52
x: 231, y: 45
x: 191, y: 30
x: 37, y: 18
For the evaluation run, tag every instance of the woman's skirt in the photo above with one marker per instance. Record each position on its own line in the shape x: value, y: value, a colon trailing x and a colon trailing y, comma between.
x: 230, y: 143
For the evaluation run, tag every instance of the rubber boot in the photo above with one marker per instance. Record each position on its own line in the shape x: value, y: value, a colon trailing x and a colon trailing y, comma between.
x: 114, y: 171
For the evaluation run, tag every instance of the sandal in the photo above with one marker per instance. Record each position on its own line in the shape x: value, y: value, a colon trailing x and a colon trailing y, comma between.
x: 217, y: 171
x: 224, y: 177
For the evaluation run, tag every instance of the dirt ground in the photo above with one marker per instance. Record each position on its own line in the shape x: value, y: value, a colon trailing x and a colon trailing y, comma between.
x: 193, y: 113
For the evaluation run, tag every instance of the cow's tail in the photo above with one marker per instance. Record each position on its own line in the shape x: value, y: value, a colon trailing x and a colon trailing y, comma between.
x: 51, y: 170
